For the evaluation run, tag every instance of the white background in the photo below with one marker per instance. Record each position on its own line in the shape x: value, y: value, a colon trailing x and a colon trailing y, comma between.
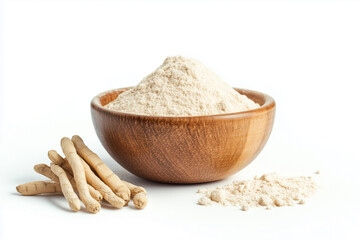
x: 57, y: 55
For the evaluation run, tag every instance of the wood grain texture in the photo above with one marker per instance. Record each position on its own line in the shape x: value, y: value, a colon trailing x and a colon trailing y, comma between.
x: 183, y: 149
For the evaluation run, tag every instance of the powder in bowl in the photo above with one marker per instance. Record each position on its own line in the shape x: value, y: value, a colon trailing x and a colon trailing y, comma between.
x: 181, y: 87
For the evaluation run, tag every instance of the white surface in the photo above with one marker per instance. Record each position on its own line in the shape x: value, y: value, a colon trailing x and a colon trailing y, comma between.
x: 58, y: 54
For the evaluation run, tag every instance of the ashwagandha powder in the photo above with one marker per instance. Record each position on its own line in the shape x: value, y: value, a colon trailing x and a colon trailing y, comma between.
x: 269, y: 190
x: 181, y: 87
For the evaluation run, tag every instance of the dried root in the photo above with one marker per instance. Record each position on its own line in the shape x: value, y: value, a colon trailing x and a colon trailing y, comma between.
x: 104, y: 172
x: 94, y: 181
x: 138, y: 195
x: 140, y: 200
x: 73, y: 173
x: 58, y: 160
x: 79, y: 175
x: 134, y: 189
x: 99, y: 185
x: 66, y: 188
x: 45, y: 170
x: 38, y: 187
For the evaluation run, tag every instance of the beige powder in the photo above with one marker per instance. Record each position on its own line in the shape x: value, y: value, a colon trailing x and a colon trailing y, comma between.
x: 181, y: 87
x: 270, y: 190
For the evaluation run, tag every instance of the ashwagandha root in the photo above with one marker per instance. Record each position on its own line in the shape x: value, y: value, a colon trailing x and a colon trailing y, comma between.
x: 66, y: 188
x: 140, y: 200
x: 92, y: 179
x: 99, y: 185
x: 104, y: 172
x: 45, y: 170
x: 138, y: 195
x: 134, y: 189
x: 74, y: 160
x: 58, y: 160
x: 38, y: 187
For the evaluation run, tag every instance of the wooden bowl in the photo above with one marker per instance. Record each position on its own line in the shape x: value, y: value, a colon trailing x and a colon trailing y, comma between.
x: 183, y: 149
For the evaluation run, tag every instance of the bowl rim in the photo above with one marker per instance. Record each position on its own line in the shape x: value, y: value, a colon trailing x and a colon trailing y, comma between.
x: 268, y: 104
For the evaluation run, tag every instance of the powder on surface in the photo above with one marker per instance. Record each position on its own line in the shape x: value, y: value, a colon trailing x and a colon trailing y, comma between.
x: 181, y: 87
x: 270, y: 190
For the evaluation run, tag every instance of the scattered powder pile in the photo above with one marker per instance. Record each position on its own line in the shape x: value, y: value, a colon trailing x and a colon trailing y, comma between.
x: 181, y: 87
x: 268, y: 191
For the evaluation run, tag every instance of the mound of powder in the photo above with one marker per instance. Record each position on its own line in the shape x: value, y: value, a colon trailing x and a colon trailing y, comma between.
x: 268, y: 191
x: 181, y: 87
